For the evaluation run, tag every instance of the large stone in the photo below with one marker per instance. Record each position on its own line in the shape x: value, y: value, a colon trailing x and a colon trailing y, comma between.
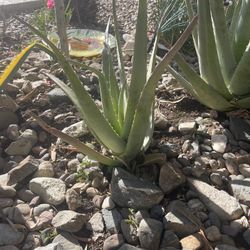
x: 218, y: 201
x: 240, y: 189
x: 7, y: 117
x: 9, y: 236
x: 51, y: 246
x: 129, y: 191
x: 25, y: 168
x: 149, y: 233
x: 51, y: 190
x: 129, y: 232
x: 69, y: 221
x: 67, y: 242
x: 180, y: 219
x: 170, y: 178
x: 129, y: 247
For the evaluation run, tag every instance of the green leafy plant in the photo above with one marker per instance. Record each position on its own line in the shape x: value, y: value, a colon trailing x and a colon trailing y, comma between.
x: 221, y: 40
x: 124, y: 125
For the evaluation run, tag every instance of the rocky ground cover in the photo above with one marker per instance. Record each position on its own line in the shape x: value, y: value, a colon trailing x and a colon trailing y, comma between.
x: 52, y: 197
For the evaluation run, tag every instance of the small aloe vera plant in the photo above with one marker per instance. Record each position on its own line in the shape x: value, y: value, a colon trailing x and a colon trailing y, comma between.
x: 222, y: 43
x: 124, y: 125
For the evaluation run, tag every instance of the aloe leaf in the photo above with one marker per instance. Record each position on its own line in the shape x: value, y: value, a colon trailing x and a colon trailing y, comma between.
x: 139, y: 70
x: 242, y: 31
x: 243, y: 102
x: 234, y: 20
x: 224, y: 49
x: 191, y: 15
x: 119, y: 47
x: 143, y: 112
x: 81, y: 147
x: 207, y: 53
x: 87, y: 107
x: 240, y: 83
x: 15, y: 64
x: 203, y: 92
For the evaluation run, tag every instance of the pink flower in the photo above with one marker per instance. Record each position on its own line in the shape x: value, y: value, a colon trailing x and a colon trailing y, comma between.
x: 50, y: 4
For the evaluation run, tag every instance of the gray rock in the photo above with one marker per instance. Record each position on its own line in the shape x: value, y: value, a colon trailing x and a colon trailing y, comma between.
x: 240, y: 189
x: 7, y: 117
x: 218, y: 201
x: 7, y: 102
x: 29, y: 135
x: 240, y: 129
x: 9, y: 236
x: 141, y: 214
x: 187, y: 127
x: 73, y: 199
x: 113, y: 242
x: 112, y: 219
x: 170, y: 178
x: 149, y: 233
x: 219, y: 143
x: 32, y: 241
x: 7, y: 192
x: 8, y: 248
x: 95, y: 223
x: 213, y: 233
x: 57, y: 96
x: 225, y: 247
x: 67, y: 242
x: 232, y: 166
x: 216, y: 179
x: 75, y: 130
x: 129, y: 232
x: 245, y: 170
x: 12, y: 132
x: 5, y: 202
x: 129, y: 247
x: 51, y: 246
x: 129, y: 191
x: 14, y: 214
x: 157, y: 212
x: 180, y: 219
x: 41, y: 208
x: 25, y: 168
x: 19, y: 147
x: 69, y: 221
x: 246, y: 236
x: 196, y: 205
x: 214, y: 219
x: 51, y: 190
x: 25, y: 195
x: 108, y: 203
x: 169, y: 239
x: 45, y: 169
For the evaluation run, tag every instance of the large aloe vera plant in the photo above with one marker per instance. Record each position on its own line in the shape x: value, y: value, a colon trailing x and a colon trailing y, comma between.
x: 222, y: 43
x: 124, y: 125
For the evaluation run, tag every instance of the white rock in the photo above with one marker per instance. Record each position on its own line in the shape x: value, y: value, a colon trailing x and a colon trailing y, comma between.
x: 108, y: 203
x: 187, y: 127
x: 51, y: 190
x: 219, y: 143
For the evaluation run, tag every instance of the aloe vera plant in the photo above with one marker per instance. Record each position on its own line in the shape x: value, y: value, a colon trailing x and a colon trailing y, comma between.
x: 222, y: 43
x: 124, y: 125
